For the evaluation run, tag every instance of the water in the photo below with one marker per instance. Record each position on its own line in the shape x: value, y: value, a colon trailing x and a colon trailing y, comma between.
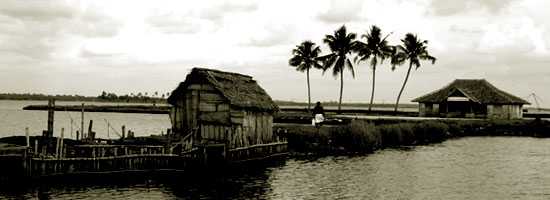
x: 13, y: 120
x: 466, y: 168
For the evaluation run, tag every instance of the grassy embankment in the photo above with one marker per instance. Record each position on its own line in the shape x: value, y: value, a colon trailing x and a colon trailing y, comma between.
x: 361, y: 136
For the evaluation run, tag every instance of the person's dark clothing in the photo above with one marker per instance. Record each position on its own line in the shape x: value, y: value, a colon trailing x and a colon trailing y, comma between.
x: 318, y: 109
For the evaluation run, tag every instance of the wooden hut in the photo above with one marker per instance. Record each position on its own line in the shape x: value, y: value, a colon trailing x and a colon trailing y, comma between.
x: 471, y: 98
x: 224, y: 112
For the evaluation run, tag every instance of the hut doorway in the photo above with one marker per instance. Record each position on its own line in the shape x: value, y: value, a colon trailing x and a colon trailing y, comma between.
x: 458, y: 106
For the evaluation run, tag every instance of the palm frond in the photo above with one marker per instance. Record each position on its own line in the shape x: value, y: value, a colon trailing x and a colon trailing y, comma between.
x: 426, y: 56
x: 295, y: 61
x: 329, y: 61
x: 350, y: 67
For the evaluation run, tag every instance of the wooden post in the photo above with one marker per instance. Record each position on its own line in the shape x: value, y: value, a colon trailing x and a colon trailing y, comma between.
x: 35, y: 146
x: 71, y: 128
x: 57, y: 147
x: 27, y: 136
x: 51, y: 107
x: 81, y: 123
x: 123, y: 131
x: 90, y: 129
x: 108, y: 131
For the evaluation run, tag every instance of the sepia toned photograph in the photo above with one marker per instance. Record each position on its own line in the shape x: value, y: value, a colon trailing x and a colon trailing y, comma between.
x: 287, y: 99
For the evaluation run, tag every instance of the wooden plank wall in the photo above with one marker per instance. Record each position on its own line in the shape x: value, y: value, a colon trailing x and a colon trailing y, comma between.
x: 217, y: 133
x: 247, y: 127
x: 250, y: 128
x: 189, y: 106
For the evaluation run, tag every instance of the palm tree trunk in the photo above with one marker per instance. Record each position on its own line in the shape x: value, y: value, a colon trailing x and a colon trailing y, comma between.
x: 341, y: 90
x: 308, y: 92
x: 373, y: 85
x: 403, y: 87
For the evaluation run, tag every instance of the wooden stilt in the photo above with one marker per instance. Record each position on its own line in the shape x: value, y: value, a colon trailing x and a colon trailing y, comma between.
x: 27, y: 136
x: 81, y: 123
x: 61, y: 143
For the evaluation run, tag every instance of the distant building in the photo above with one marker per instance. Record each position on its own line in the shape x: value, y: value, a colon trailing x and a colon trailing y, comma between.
x: 471, y: 98
x: 222, y: 109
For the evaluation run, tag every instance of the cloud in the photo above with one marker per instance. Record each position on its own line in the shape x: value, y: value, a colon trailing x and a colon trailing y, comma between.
x: 271, y: 35
x: 171, y: 23
x: 512, y: 35
x: 87, y: 53
x: 342, y: 11
x: 37, y: 10
x: 217, y: 12
x: 198, y: 17
x: 39, y: 29
x: 451, y: 7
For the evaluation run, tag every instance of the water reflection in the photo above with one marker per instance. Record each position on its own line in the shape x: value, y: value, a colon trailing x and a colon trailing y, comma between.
x: 235, y: 183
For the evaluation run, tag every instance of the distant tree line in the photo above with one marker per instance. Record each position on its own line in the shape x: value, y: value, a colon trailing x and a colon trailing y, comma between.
x: 154, y: 97
x: 38, y: 96
x: 140, y: 97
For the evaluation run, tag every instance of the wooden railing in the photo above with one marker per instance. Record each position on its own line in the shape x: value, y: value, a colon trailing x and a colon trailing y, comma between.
x: 188, y: 142
x: 112, y: 164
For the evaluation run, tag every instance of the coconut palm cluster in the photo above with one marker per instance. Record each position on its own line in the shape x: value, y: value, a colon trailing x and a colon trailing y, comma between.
x: 346, y: 50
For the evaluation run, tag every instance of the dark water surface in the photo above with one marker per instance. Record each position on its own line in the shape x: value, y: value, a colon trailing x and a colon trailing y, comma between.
x: 466, y: 168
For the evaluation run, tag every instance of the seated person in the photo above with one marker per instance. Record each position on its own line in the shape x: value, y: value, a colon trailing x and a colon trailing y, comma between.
x: 318, y: 114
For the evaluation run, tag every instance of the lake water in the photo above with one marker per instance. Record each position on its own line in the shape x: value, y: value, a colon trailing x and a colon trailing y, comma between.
x: 466, y: 168
x: 13, y: 120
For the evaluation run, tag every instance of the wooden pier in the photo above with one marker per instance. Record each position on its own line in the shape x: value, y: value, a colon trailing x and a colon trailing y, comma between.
x: 19, y: 162
x: 213, y: 124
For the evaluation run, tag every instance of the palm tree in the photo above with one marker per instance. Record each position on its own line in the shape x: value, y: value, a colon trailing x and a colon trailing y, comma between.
x: 377, y: 50
x: 413, y: 50
x: 342, y: 44
x: 305, y: 57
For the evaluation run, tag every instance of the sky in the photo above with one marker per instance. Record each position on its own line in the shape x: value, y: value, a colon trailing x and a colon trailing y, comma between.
x: 85, y: 47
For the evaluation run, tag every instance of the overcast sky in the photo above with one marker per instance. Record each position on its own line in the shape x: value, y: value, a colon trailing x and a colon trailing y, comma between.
x: 84, y: 47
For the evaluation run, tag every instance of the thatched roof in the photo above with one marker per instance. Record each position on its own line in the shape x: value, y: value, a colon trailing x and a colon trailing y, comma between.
x: 477, y: 90
x: 240, y: 90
